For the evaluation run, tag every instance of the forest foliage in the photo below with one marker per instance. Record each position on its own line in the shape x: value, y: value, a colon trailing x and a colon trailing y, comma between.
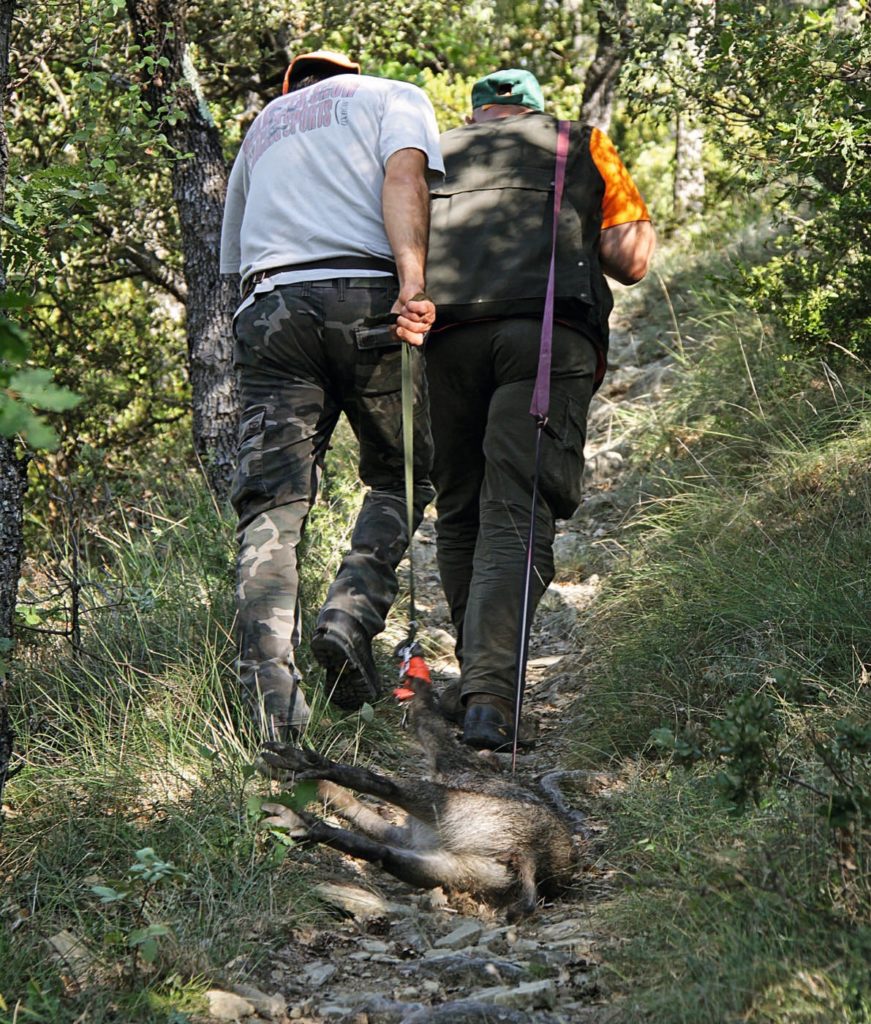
x: 738, y: 716
x: 91, y: 232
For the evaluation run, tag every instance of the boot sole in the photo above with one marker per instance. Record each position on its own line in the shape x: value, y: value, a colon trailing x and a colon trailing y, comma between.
x: 480, y: 741
x: 347, y: 685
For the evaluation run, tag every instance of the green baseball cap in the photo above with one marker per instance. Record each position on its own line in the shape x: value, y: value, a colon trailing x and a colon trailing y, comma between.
x: 512, y: 86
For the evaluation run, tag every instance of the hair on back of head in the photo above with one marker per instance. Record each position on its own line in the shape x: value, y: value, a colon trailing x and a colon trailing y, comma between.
x: 315, y: 75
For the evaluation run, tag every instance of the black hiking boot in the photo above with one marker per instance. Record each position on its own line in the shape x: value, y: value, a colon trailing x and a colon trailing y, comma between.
x: 345, y: 653
x: 489, y: 724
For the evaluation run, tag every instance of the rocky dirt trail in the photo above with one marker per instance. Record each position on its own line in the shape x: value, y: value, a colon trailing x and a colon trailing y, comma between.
x: 399, y: 956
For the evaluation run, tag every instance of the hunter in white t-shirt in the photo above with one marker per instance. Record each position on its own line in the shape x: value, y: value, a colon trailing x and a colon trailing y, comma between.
x: 306, y: 185
x: 327, y: 222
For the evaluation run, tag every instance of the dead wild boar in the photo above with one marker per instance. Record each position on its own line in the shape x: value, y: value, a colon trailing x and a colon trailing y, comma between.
x: 465, y: 828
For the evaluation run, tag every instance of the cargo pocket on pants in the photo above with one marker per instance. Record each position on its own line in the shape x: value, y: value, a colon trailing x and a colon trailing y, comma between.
x: 248, y: 480
x: 562, y: 456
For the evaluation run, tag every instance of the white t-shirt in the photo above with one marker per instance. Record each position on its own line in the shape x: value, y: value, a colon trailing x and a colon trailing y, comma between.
x: 306, y: 184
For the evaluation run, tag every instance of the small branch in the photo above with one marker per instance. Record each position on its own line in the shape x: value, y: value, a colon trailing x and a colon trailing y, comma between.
x: 55, y: 88
x: 150, y: 266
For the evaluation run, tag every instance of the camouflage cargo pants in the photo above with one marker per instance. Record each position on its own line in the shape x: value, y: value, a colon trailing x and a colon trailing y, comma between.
x: 303, y: 359
x: 481, y: 377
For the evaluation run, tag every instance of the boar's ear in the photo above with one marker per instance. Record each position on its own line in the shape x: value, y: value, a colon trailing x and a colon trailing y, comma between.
x: 423, y: 692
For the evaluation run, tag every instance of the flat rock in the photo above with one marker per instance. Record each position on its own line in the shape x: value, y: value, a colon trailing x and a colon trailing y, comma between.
x: 460, y: 971
x: 473, y: 1011
x: 73, y: 953
x: 573, y: 926
x: 465, y: 934
x: 531, y: 995
x: 374, y: 946
x: 317, y: 974
x: 381, y: 1010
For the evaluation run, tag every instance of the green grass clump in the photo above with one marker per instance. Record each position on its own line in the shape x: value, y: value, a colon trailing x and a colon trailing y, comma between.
x: 729, y: 685
x: 727, y: 585
x: 133, y: 827
x: 724, y: 919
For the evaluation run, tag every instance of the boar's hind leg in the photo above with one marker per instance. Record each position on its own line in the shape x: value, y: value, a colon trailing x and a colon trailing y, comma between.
x: 523, y: 867
x: 420, y: 798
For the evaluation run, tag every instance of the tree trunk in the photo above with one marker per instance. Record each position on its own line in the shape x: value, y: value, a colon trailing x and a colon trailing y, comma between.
x: 600, y: 83
x: 199, y: 187
x: 689, y: 171
x: 13, y: 484
x: 13, y: 477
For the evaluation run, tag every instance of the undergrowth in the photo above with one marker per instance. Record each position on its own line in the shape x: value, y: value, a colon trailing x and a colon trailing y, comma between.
x: 729, y: 696
x: 136, y: 872
x: 729, y: 689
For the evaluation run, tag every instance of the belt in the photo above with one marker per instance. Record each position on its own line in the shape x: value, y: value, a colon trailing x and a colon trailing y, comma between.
x: 334, y: 263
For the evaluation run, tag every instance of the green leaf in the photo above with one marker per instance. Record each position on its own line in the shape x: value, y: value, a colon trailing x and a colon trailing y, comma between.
x: 14, y: 342
x: 15, y: 300
x: 16, y: 418
x: 36, y: 387
x: 30, y: 615
x: 302, y: 794
x: 279, y: 851
x: 107, y: 894
x: 662, y: 738
x: 148, y: 951
x: 367, y: 713
x: 139, y: 935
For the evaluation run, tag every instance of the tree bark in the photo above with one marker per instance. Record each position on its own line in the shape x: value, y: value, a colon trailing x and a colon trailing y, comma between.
x: 688, y: 188
x: 13, y: 475
x: 689, y: 171
x: 13, y: 484
x: 603, y: 74
x: 199, y: 186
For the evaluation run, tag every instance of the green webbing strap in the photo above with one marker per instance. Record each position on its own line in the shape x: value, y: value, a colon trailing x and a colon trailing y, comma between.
x: 408, y: 449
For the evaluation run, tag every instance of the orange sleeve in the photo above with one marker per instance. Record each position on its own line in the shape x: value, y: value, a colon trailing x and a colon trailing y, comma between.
x: 622, y: 202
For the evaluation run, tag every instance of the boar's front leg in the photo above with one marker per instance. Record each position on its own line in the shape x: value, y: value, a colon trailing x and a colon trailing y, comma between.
x: 418, y: 798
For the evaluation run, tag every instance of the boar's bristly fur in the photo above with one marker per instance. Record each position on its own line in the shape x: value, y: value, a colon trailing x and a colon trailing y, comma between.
x: 465, y: 829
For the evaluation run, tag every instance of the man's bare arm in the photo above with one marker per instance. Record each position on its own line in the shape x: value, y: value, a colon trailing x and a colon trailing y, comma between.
x: 625, y: 250
x: 405, y: 207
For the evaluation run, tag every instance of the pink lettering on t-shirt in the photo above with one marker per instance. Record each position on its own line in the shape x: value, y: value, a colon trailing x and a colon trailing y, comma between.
x: 304, y: 111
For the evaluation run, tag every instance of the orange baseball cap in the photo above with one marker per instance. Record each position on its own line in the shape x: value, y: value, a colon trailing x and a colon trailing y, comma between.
x: 306, y: 62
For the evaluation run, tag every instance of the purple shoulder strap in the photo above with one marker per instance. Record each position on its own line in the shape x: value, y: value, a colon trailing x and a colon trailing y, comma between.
x: 541, y: 395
